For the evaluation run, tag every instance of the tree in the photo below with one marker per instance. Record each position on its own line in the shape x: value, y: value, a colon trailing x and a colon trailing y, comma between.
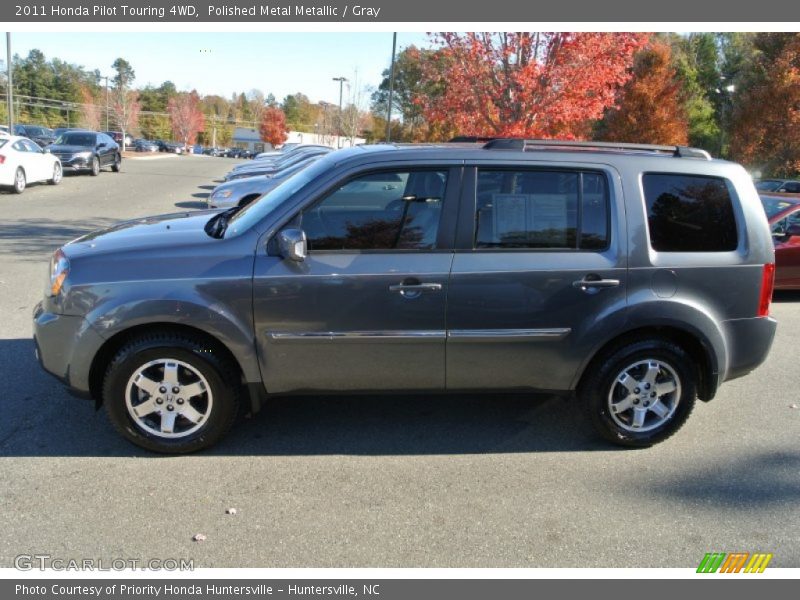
x: 766, y: 109
x: 91, y: 112
x: 300, y: 113
x: 273, y: 126
x: 125, y: 104
x: 650, y: 110
x: 185, y: 116
x: 527, y: 84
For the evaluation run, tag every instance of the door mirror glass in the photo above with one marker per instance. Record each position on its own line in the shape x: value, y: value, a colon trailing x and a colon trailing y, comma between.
x: 292, y: 244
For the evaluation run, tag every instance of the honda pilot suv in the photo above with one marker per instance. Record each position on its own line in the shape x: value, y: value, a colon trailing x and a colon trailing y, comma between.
x: 633, y: 279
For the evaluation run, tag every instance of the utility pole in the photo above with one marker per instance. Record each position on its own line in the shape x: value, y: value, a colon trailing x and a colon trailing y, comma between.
x: 10, y: 94
x: 391, y: 92
x: 107, y: 107
x: 341, y: 81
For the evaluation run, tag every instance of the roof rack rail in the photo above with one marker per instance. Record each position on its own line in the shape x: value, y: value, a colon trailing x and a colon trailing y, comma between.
x: 523, y: 144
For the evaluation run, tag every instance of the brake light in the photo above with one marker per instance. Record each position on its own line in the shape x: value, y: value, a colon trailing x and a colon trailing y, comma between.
x: 2, y: 159
x: 767, y: 286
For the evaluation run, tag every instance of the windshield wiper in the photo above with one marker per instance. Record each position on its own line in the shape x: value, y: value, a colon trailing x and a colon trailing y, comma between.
x: 217, y: 225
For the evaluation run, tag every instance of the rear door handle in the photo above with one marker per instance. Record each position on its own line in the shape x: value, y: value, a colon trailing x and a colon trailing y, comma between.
x: 405, y: 288
x: 594, y: 282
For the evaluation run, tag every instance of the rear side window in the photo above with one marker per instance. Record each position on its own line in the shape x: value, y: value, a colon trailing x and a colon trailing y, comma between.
x: 689, y: 213
x: 530, y: 208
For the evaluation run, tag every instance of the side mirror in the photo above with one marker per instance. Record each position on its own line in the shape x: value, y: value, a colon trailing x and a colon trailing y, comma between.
x: 101, y: 145
x: 293, y: 244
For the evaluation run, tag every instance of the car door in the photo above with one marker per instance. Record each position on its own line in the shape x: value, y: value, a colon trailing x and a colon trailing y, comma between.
x: 40, y: 163
x: 366, y: 308
x: 27, y: 160
x: 539, y: 259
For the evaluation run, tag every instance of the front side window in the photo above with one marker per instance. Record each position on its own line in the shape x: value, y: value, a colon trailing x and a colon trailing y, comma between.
x: 389, y: 210
x: 541, y: 209
x: 689, y: 213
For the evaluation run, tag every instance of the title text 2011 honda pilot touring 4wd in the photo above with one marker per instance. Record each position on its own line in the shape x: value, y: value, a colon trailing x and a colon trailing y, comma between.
x: 636, y: 278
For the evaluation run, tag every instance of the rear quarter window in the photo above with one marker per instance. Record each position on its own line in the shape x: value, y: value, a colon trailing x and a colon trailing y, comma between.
x: 689, y: 213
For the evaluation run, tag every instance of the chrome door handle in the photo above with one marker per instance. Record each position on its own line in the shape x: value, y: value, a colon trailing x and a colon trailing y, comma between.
x: 590, y: 282
x: 406, y: 288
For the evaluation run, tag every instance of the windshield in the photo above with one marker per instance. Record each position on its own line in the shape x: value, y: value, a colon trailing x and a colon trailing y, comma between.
x: 76, y: 139
x: 768, y: 185
x: 35, y: 130
x: 772, y: 206
x: 258, y: 209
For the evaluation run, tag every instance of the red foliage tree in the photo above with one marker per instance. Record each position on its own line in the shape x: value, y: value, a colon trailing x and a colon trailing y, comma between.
x: 650, y: 109
x: 766, y: 113
x: 185, y: 117
x: 526, y: 84
x: 273, y: 126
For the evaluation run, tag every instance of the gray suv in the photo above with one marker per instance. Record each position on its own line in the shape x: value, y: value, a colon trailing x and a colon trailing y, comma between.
x: 632, y: 278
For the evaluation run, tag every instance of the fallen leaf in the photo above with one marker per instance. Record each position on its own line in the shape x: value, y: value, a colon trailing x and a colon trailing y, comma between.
x: 199, y: 537
x: 230, y: 511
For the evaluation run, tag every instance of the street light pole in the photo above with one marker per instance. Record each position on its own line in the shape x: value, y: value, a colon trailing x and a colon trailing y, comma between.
x: 391, y: 92
x: 341, y: 81
x: 9, y: 93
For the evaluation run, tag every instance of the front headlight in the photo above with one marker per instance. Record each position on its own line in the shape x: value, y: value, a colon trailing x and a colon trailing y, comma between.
x: 222, y: 194
x: 82, y: 154
x: 59, y: 269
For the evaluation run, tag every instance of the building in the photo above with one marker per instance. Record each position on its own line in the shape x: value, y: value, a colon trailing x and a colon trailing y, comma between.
x: 249, y: 139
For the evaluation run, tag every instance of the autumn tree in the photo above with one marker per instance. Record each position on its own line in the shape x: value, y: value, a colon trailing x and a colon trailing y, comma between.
x: 273, y: 126
x: 527, y: 84
x: 185, y: 116
x: 650, y: 109
x: 766, y: 112
x: 91, y: 112
x: 125, y: 100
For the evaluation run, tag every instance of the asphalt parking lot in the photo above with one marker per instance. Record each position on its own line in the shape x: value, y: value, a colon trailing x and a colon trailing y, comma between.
x: 478, y: 481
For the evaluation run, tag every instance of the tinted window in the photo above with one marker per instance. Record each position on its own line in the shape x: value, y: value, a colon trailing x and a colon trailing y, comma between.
x: 541, y: 209
x: 689, y: 213
x: 77, y: 139
x: 379, y: 211
x: 768, y: 185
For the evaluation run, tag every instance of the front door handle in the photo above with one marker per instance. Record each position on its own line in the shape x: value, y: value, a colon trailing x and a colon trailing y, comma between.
x: 592, y: 283
x: 413, y: 290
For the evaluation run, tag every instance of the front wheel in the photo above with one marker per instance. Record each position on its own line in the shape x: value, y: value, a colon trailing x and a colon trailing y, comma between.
x: 117, y: 164
x: 19, y: 181
x: 58, y: 174
x: 94, y: 169
x: 640, y: 394
x: 171, y: 393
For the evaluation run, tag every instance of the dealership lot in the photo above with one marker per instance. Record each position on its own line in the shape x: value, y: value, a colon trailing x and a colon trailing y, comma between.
x: 478, y: 481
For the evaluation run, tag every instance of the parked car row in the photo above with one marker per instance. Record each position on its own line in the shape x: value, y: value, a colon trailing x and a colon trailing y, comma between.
x: 783, y: 213
x: 248, y: 181
x: 23, y: 161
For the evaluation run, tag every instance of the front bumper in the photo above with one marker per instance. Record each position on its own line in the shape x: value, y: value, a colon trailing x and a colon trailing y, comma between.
x: 65, y: 347
x: 76, y: 163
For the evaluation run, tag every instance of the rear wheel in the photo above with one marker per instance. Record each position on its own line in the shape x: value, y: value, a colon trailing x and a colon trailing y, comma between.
x: 19, y: 181
x: 58, y: 174
x: 641, y: 393
x: 94, y: 168
x: 171, y: 393
x: 117, y: 164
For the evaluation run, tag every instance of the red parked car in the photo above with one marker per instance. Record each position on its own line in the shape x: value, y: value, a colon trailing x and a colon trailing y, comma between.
x: 783, y: 212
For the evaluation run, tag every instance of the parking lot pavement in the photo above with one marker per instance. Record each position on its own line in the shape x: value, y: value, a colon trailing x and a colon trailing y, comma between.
x: 424, y: 481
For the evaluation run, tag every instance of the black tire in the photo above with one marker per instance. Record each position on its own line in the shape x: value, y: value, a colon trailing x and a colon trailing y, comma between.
x: 58, y: 174
x: 117, y: 166
x: 94, y: 169
x: 601, y: 382
x: 20, y: 182
x: 222, y: 378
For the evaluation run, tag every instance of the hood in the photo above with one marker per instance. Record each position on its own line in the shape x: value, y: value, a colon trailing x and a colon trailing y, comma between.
x: 255, y: 183
x: 70, y: 149
x: 147, y: 233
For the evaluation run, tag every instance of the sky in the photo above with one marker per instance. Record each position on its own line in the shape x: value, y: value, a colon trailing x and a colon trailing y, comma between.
x: 223, y: 63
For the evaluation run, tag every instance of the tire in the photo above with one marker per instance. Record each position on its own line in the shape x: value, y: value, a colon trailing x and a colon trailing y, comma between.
x: 635, y: 379
x: 193, y: 423
x: 58, y: 174
x: 94, y: 170
x: 19, y: 181
x: 117, y: 166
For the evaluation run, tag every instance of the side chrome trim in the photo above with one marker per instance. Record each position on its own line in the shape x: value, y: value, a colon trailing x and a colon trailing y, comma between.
x: 399, y: 336
x: 508, y: 335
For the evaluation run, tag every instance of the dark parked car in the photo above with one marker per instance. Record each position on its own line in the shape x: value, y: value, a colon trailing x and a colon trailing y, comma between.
x: 790, y: 186
x: 172, y: 147
x: 44, y: 136
x: 145, y: 146
x: 632, y: 279
x: 87, y: 151
x: 784, y: 219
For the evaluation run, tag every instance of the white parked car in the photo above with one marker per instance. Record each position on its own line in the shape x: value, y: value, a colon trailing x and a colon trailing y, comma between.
x: 23, y: 161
